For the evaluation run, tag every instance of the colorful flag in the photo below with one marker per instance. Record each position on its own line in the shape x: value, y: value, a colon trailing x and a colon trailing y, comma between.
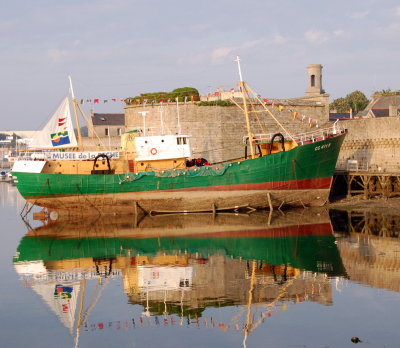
x: 114, y: 100
x: 192, y: 99
x: 265, y: 100
x: 303, y: 117
x: 177, y: 99
x: 96, y: 101
x: 310, y: 121
x: 60, y: 138
x: 295, y: 114
x: 280, y: 107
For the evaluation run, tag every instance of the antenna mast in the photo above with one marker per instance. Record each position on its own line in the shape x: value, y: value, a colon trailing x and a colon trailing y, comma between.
x: 75, y: 113
x: 243, y: 89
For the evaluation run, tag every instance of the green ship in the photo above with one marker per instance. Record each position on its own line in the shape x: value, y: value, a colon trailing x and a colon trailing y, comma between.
x: 155, y: 173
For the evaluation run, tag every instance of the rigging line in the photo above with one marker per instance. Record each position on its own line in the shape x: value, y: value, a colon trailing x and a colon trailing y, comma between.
x: 90, y: 125
x: 272, y: 304
x: 272, y: 115
x: 34, y: 203
x: 254, y: 110
x: 85, y: 197
x: 90, y: 308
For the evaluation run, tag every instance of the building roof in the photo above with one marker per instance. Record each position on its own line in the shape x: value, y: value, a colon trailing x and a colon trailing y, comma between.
x: 333, y: 116
x: 108, y: 119
x: 383, y: 101
x: 382, y: 112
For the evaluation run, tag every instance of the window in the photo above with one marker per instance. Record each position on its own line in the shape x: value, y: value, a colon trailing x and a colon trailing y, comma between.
x: 107, y: 132
x: 312, y: 80
x: 181, y: 141
x: 119, y: 131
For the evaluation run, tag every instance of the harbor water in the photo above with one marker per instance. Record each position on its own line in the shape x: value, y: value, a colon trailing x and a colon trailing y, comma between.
x: 299, y: 278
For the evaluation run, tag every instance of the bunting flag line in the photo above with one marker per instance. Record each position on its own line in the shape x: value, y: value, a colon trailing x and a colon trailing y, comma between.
x: 98, y: 100
x: 168, y: 320
x: 296, y: 114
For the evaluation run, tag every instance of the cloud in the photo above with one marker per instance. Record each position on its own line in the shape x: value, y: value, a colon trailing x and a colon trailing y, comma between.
x: 339, y: 33
x: 221, y: 52
x: 359, y: 15
x: 224, y: 51
x: 316, y: 36
x: 55, y: 55
x: 279, y: 39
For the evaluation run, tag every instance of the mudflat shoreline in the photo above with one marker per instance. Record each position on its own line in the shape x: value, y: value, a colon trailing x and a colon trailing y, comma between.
x: 377, y: 205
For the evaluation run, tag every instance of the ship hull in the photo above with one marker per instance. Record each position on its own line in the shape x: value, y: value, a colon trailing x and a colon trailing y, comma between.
x: 299, y: 177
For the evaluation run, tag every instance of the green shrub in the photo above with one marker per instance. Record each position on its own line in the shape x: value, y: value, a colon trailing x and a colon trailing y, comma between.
x: 179, y: 93
x: 226, y: 102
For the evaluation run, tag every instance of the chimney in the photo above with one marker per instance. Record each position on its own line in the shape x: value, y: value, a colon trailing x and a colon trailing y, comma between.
x: 393, y: 108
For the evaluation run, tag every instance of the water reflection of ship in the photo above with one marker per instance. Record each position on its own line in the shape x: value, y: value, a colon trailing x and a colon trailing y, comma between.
x: 182, y: 264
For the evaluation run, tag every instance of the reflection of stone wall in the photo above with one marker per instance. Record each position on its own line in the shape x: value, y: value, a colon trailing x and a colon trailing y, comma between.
x: 227, y: 281
x: 372, y: 261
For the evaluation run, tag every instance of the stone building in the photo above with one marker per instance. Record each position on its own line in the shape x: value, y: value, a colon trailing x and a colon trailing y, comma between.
x: 107, y: 125
x: 382, y: 105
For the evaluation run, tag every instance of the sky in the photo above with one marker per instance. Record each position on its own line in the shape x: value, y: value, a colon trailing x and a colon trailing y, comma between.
x: 121, y: 48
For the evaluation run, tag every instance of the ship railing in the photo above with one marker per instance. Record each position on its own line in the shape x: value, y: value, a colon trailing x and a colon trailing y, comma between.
x: 302, y: 138
x: 361, y: 165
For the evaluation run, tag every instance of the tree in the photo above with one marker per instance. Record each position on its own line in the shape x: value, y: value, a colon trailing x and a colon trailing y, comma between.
x: 340, y: 105
x: 356, y: 101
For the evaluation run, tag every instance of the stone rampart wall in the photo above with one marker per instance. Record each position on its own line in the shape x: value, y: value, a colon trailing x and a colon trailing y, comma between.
x: 217, y: 132
x: 373, y: 143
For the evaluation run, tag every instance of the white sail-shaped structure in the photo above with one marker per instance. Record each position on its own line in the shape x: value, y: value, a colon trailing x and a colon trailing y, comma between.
x: 58, y: 132
x: 61, y: 298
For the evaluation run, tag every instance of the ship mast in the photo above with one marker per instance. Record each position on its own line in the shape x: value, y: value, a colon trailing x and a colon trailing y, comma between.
x: 76, y: 114
x: 246, y: 113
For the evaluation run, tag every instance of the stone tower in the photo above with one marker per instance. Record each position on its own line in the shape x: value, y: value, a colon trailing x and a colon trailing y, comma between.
x: 314, y: 80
